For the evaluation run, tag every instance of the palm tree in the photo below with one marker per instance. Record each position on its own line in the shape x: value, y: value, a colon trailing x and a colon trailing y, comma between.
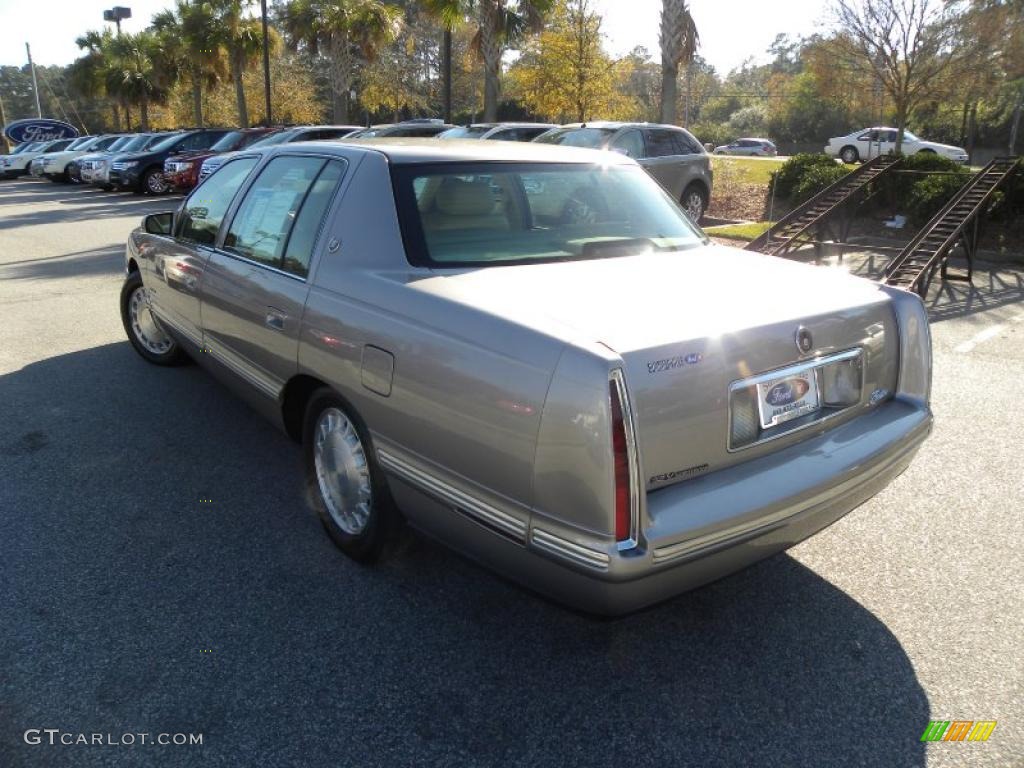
x: 241, y: 39
x: 499, y: 24
x: 188, y: 34
x: 679, y: 42
x: 88, y: 73
x: 344, y: 29
x: 450, y: 13
x: 138, y: 72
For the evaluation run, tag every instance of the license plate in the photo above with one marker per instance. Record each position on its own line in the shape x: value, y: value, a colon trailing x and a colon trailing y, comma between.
x: 788, y: 397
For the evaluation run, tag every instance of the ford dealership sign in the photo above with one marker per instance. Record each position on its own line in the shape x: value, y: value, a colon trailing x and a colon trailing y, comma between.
x: 39, y: 129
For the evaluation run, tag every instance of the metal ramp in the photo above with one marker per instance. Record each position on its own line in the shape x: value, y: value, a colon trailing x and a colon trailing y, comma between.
x: 799, y: 226
x: 957, y: 223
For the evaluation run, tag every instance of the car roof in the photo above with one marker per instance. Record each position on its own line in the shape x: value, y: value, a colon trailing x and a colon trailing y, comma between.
x: 616, y: 124
x: 402, y: 151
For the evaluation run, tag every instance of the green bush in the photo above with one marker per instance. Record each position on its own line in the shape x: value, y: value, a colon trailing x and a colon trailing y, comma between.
x: 815, y: 179
x: 791, y: 173
x: 928, y: 194
x: 904, y: 183
x: 712, y: 133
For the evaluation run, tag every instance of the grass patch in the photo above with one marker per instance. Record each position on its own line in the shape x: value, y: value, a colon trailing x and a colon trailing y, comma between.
x: 747, y: 170
x: 747, y: 232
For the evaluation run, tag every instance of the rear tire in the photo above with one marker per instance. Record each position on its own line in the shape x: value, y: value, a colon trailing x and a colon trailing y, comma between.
x: 144, y: 331
x: 694, y: 202
x: 849, y: 155
x: 344, y: 483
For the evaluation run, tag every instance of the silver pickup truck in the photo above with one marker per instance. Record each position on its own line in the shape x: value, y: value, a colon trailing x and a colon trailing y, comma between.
x: 531, y: 353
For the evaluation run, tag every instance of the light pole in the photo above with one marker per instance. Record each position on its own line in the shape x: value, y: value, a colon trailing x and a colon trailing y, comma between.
x: 266, y: 59
x: 35, y: 85
x: 115, y: 15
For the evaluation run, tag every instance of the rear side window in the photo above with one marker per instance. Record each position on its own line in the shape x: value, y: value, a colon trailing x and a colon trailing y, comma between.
x: 204, y: 210
x: 686, y: 144
x: 264, y: 222
x: 310, y: 220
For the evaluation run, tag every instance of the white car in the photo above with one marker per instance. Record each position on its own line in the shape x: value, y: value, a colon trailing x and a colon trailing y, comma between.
x: 55, y: 164
x: 748, y: 148
x: 16, y: 164
x: 868, y: 143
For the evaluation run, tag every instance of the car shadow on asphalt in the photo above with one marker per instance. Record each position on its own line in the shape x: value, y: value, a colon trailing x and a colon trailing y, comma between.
x: 90, y: 210
x: 161, y: 572
x: 108, y: 260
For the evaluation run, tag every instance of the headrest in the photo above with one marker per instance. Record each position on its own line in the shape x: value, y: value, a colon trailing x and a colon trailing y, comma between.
x: 465, y: 198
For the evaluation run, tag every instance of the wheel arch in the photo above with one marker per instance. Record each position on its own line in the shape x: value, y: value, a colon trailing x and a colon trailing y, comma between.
x: 701, y: 185
x: 294, y: 399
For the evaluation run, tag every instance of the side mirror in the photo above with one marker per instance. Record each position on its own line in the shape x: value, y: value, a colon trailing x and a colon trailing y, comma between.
x: 158, y: 223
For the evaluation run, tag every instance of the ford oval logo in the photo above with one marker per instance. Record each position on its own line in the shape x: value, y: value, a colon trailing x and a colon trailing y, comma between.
x: 39, y: 129
x: 786, y: 392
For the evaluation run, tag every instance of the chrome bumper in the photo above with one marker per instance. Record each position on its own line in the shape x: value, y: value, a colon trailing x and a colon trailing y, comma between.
x: 708, y: 527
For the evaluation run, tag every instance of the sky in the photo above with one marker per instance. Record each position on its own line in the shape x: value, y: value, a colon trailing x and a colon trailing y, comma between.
x: 730, y: 30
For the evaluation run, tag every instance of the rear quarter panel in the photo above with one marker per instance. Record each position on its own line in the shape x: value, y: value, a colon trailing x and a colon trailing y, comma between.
x: 468, y: 387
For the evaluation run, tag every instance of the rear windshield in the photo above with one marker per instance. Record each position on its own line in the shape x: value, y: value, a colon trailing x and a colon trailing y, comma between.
x: 490, y: 214
x: 227, y: 141
x: 275, y: 138
x: 167, y: 143
x: 135, y: 142
x: 121, y: 143
x: 591, y: 138
x: 465, y: 132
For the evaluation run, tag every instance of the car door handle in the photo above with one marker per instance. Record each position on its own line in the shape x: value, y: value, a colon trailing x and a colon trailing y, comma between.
x: 275, y: 319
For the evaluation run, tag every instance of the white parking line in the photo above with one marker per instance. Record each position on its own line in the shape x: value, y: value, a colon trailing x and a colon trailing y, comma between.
x: 985, y: 335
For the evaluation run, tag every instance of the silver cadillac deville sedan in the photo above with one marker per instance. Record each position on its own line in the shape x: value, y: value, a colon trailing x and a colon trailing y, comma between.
x: 530, y: 353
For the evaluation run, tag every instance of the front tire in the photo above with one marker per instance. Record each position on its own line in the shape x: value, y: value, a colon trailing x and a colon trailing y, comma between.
x: 144, y: 331
x: 694, y: 202
x: 849, y: 155
x: 154, y: 183
x: 344, y: 483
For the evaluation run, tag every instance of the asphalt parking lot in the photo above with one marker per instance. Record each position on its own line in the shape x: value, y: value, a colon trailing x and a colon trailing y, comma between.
x: 159, y: 572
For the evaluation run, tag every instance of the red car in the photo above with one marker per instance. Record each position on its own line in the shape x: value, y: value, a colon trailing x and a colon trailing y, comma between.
x: 182, y: 171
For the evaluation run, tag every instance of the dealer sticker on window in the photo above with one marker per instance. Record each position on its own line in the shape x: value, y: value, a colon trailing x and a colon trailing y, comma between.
x: 787, y: 397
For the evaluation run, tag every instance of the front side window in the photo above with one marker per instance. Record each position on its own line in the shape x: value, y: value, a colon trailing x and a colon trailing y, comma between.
x: 260, y: 228
x: 488, y: 214
x: 204, y: 210
x: 662, y: 144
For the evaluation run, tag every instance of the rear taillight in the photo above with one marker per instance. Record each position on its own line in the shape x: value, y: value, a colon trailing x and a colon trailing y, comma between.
x: 624, y: 454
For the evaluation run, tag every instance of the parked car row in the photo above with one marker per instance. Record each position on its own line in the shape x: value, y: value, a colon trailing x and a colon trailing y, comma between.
x: 156, y: 163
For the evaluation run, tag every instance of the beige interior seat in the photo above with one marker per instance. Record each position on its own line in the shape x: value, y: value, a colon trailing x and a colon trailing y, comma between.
x: 461, y: 204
